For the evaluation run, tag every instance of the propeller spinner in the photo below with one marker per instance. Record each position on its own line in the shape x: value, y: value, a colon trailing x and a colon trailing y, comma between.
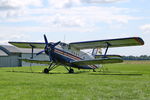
x: 49, y: 49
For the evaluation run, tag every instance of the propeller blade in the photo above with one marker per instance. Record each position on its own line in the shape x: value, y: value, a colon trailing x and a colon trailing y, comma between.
x: 39, y: 52
x: 49, y: 48
x: 45, y: 38
x: 56, y: 43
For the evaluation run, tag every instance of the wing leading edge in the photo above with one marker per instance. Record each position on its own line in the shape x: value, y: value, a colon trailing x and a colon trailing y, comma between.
x: 120, y: 42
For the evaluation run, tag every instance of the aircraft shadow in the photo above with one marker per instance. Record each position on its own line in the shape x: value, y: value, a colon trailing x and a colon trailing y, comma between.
x: 79, y: 72
x: 122, y: 74
x: 49, y: 72
x: 119, y: 74
x: 25, y: 72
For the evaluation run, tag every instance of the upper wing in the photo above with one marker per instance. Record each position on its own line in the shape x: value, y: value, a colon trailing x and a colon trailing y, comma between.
x: 28, y: 44
x: 132, y: 41
x: 98, y: 61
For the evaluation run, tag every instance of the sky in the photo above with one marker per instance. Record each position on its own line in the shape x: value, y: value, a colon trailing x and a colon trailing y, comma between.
x: 75, y: 21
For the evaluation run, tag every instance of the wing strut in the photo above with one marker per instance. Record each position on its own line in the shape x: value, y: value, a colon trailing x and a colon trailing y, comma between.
x: 31, y: 55
x: 32, y: 50
x: 108, y: 44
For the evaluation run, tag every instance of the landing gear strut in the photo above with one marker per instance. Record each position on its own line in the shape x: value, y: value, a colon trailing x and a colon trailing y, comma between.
x: 51, y: 67
x: 69, y: 70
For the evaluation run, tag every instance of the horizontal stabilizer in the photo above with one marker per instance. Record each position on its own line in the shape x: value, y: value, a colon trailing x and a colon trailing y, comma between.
x: 120, y: 42
x: 98, y: 61
x: 36, y: 61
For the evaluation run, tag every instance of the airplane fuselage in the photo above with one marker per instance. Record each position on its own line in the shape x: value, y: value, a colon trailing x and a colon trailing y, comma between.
x: 65, y: 55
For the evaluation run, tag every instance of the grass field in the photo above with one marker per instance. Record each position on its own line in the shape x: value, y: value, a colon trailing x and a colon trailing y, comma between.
x: 127, y: 81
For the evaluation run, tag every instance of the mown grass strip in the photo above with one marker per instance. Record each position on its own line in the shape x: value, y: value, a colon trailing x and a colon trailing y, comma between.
x: 119, y: 82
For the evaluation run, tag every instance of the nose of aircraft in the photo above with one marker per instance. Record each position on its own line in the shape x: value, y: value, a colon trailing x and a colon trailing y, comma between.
x: 49, y: 48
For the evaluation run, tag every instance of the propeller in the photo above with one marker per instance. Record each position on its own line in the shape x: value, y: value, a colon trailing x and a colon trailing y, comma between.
x: 39, y: 52
x: 45, y: 38
x: 49, y: 49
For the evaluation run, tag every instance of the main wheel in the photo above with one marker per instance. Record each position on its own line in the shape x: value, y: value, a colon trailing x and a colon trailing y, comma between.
x: 71, y: 71
x: 94, y: 70
x: 46, y: 70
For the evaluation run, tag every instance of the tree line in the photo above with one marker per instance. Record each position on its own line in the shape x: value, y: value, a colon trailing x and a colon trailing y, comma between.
x: 142, y: 57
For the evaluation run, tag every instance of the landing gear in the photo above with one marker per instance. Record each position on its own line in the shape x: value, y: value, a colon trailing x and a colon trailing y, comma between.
x: 51, y: 67
x: 71, y: 70
x: 46, y: 70
x: 94, y: 70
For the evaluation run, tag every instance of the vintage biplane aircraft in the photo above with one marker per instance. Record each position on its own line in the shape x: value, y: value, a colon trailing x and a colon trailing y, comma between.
x: 70, y: 55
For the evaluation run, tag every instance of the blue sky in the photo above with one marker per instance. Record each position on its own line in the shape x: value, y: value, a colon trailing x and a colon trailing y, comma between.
x: 76, y: 20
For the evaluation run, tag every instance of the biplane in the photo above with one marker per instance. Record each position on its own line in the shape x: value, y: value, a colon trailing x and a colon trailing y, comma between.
x: 72, y: 56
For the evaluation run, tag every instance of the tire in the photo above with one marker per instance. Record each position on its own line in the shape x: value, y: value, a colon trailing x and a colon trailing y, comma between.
x: 71, y: 71
x: 46, y: 71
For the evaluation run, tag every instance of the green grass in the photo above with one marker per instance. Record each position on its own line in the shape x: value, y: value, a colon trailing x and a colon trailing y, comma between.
x: 119, y: 82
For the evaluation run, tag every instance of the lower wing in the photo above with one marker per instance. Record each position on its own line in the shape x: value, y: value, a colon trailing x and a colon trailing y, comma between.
x: 98, y: 61
x: 36, y: 61
x: 108, y: 56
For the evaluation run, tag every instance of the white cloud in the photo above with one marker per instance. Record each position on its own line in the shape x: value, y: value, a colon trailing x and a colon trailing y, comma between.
x: 71, y: 3
x: 14, y: 4
x: 63, y: 3
x: 79, y: 16
x: 73, y: 19
x: 68, y: 21
x: 145, y: 28
x: 11, y: 8
x: 12, y: 30
x: 10, y: 36
x: 103, y: 1
x: 76, y: 18
x: 93, y: 15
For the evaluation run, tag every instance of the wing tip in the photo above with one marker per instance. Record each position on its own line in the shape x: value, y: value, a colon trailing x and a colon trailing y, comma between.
x: 139, y: 40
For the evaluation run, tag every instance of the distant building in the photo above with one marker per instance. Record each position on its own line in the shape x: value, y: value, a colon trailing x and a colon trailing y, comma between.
x: 10, y: 56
